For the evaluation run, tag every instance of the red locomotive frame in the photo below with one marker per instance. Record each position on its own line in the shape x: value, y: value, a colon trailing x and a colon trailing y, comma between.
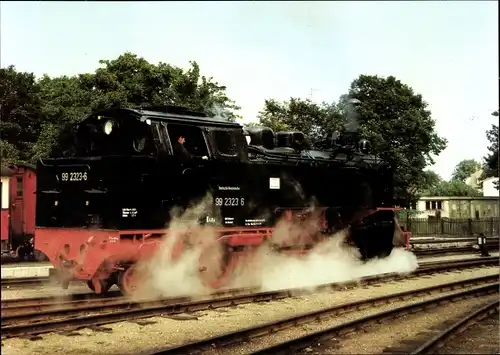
x: 106, y: 257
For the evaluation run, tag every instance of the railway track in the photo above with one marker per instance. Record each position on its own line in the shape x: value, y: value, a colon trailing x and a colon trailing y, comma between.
x: 26, y: 281
x: 451, y: 332
x: 41, y: 304
x: 43, y: 315
x: 490, y: 241
x: 489, y: 286
x: 46, y: 280
x: 451, y: 250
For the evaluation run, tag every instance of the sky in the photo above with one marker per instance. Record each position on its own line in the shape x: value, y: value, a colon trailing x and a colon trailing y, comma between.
x: 445, y: 50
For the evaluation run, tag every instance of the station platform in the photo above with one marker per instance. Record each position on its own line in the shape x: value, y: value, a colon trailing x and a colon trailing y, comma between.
x: 18, y: 271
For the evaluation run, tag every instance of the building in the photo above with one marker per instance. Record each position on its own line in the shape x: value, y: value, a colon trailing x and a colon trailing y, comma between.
x: 489, y: 188
x: 22, y: 201
x: 456, y: 207
x: 474, y: 180
x: 488, y: 185
x: 5, y: 175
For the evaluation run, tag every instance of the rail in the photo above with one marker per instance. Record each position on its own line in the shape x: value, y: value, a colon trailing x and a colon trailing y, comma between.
x: 40, y: 304
x: 467, y: 321
x: 451, y: 240
x: 39, y: 317
x: 290, y: 347
x: 25, y: 281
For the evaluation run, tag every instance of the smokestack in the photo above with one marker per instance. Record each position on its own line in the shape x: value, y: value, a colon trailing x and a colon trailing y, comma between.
x: 351, y: 124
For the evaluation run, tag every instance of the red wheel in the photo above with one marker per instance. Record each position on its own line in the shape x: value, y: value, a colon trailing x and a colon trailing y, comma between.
x: 216, y: 265
x: 129, y: 281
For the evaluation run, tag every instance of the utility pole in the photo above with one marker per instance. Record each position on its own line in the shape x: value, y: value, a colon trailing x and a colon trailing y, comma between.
x: 311, y: 93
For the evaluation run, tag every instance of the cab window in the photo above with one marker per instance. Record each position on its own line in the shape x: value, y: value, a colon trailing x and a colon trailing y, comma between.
x: 107, y: 135
x: 225, y: 142
x: 194, y: 141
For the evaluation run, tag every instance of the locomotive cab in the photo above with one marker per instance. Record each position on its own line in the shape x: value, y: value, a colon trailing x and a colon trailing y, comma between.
x: 123, y: 172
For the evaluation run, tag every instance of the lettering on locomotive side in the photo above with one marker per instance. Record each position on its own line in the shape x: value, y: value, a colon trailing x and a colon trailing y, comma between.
x: 113, y: 239
x: 129, y: 212
x: 255, y: 222
x: 229, y: 188
x: 74, y: 176
x: 229, y: 201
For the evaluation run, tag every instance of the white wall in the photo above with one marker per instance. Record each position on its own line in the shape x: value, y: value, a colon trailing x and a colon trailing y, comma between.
x: 473, y: 179
x: 5, y: 192
x: 488, y: 187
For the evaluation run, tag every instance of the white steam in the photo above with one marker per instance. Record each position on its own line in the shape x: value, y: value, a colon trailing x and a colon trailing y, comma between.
x: 220, y: 113
x: 332, y: 260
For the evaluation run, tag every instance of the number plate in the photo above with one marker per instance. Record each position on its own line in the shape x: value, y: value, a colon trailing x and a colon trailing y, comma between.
x: 73, y: 176
x: 229, y: 201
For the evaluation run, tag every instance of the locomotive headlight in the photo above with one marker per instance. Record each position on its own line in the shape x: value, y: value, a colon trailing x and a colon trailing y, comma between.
x: 248, y: 138
x: 364, y: 146
x: 108, y: 127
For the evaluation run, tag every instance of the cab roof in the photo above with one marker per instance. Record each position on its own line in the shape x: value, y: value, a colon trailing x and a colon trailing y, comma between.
x: 171, y: 114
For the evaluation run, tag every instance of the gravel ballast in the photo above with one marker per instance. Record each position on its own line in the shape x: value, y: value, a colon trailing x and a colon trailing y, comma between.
x: 130, y: 338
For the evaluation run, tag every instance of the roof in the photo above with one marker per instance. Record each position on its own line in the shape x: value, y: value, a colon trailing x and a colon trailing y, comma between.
x: 448, y: 198
x: 172, y: 114
x: 23, y: 165
x: 6, y: 171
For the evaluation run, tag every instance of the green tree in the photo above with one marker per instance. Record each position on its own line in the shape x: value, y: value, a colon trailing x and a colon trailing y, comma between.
x: 490, y: 167
x: 391, y: 116
x: 431, y: 181
x: 464, y: 169
x: 400, y: 127
x: 314, y: 120
x: 131, y: 81
x: 64, y: 101
x: 19, y: 114
x: 452, y: 188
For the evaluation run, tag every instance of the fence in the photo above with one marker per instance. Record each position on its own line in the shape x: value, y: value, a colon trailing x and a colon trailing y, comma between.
x: 451, y: 227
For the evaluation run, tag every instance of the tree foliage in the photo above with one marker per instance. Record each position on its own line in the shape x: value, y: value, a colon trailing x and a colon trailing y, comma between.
x: 391, y: 116
x: 314, y: 120
x: 451, y: 188
x: 435, y: 186
x: 19, y: 114
x: 35, y: 114
x: 464, y: 169
x: 431, y: 180
x: 490, y: 167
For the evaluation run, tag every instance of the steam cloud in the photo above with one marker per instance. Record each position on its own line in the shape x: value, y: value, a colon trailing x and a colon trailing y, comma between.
x: 220, y: 113
x: 332, y: 260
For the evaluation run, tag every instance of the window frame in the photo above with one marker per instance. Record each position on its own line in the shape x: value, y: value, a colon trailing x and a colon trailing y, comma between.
x: 434, y: 205
x: 170, y: 141
x: 19, y: 186
x: 234, y: 142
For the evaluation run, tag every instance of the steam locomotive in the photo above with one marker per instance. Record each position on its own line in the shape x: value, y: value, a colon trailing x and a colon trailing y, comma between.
x: 106, y: 204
